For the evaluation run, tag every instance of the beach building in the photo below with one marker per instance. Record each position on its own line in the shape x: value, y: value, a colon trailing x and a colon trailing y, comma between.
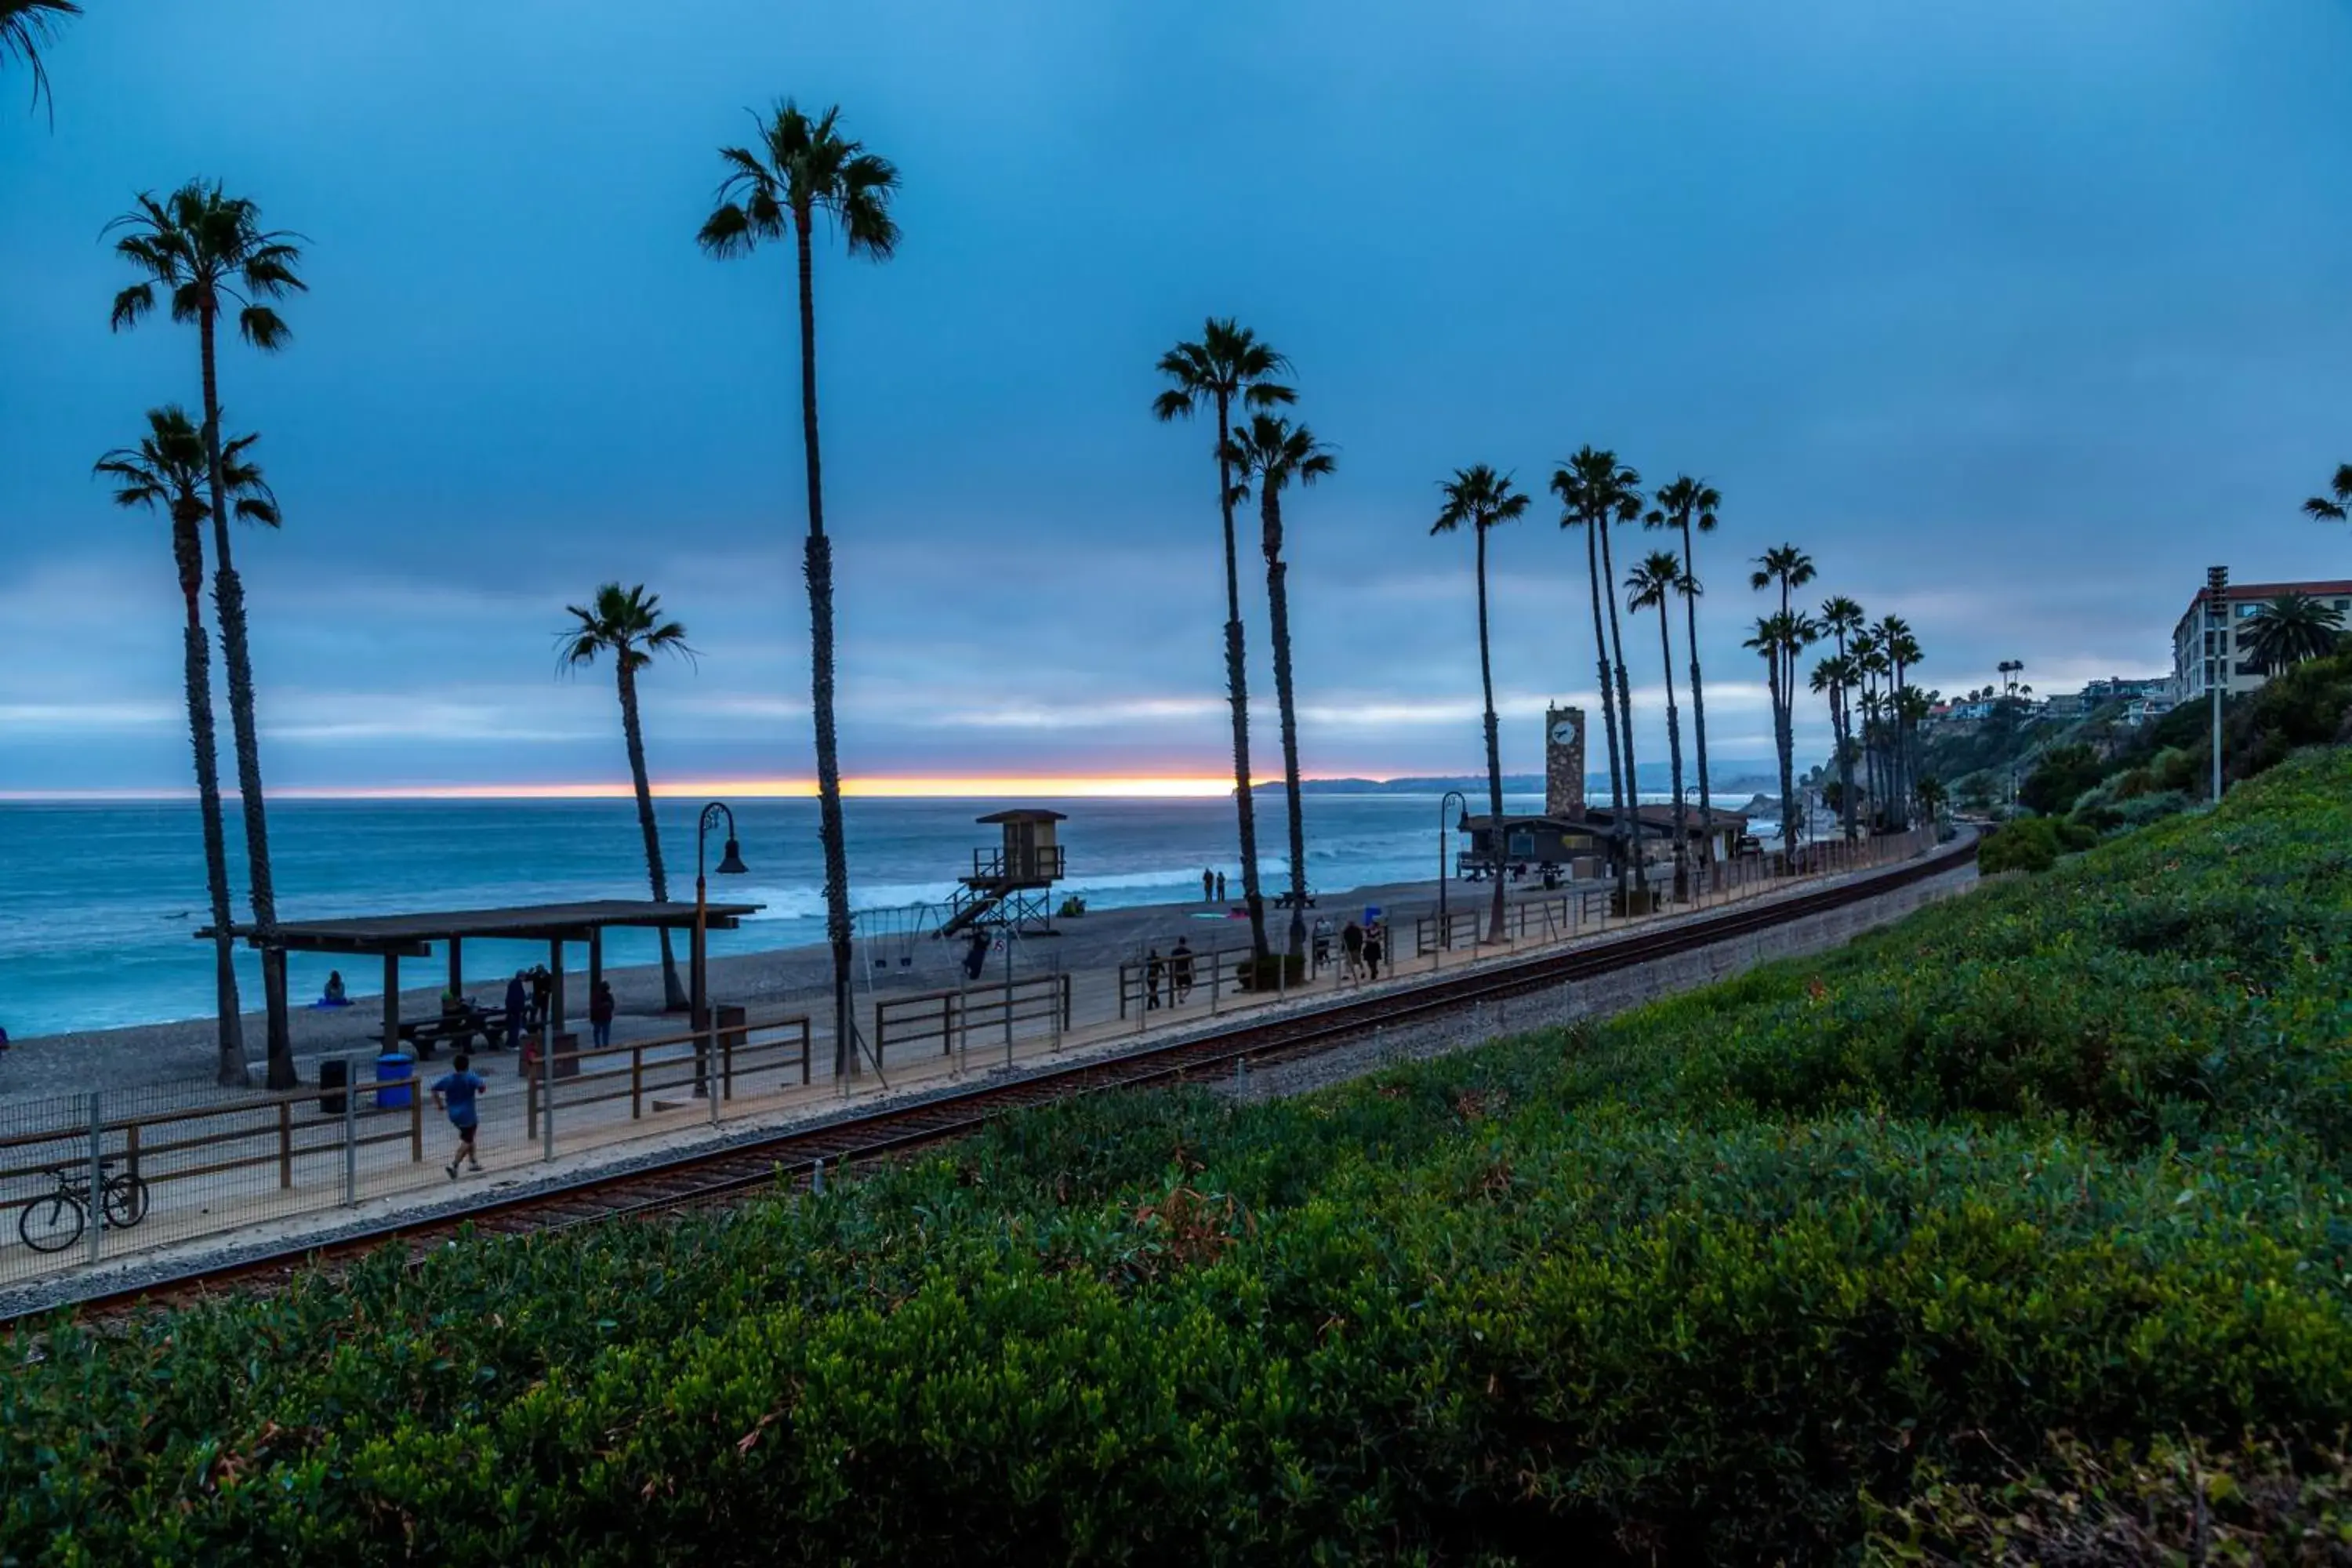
x: 2238, y: 674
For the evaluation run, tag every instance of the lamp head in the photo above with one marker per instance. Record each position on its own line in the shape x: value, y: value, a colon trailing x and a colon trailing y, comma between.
x: 730, y: 864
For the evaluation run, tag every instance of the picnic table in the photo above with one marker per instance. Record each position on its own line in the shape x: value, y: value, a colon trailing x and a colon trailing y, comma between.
x: 459, y: 1026
x: 1288, y: 900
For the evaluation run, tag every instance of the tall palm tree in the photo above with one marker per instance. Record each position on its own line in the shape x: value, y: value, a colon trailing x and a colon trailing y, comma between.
x: 1835, y: 677
x: 1690, y: 505
x: 1273, y: 451
x: 804, y: 168
x: 2291, y: 628
x: 1902, y: 650
x: 1779, y: 638
x: 627, y: 624
x: 1595, y: 491
x: 1658, y: 578
x: 1228, y: 366
x: 1789, y: 568
x: 167, y: 471
x: 25, y: 27
x: 1478, y: 499
x: 1841, y: 619
x: 1870, y: 658
x: 209, y: 252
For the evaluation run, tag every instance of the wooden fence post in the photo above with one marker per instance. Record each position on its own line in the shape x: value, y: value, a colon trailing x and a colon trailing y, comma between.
x: 285, y: 1143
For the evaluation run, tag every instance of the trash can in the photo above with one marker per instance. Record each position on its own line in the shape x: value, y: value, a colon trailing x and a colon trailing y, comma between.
x: 334, y: 1074
x: 397, y: 1069
x: 566, y: 1048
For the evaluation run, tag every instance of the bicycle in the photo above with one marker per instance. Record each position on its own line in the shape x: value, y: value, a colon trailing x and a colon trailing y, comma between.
x: 54, y: 1221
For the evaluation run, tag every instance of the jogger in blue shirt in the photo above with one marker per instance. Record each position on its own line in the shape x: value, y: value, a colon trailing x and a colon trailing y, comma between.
x: 455, y: 1091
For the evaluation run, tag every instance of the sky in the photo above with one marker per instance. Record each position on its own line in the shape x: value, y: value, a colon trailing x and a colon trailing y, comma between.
x: 2015, y: 316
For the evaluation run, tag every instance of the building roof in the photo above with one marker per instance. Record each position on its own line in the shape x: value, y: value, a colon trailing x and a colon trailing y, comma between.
x: 411, y: 934
x: 2239, y: 593
x: 1025, y: 814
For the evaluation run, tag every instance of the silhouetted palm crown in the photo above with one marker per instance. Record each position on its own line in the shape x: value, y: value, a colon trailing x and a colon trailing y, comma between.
x: 801, y: 167
x: 25, y: 27
x: 1228, y: 361
x: 1276, y: 452
x: 1684, y: 499
x: 2291, y: 628
x: 209, y: 251
x: 1477, y: 498
x: 166, y: 470
x: 1658, y: 574
x: 2333, y: 510
x: 1592, y: 485
x: 625, y: 623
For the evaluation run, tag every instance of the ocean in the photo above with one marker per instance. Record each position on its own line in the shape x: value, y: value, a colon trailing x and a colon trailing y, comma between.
x: 102, y: 900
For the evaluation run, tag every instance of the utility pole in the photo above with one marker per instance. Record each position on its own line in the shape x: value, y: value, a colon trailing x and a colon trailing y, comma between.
x: 2216, y: 631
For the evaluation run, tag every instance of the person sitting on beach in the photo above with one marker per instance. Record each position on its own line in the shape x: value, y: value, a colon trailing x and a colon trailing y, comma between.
x: 517, y: 1009
x: 334, y: 995
x: 1180, y: 971
x: 601, y: 1008
x: 451, y: 1004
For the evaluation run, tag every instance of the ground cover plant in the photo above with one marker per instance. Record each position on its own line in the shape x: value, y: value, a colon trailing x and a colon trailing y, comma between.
x: 2022, y: 1226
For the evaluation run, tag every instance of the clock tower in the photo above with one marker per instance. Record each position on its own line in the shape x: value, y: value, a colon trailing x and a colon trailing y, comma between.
x: 1564, y: 764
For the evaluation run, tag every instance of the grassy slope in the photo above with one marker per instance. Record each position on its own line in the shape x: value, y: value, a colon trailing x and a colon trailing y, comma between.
x: 2067, y: 1157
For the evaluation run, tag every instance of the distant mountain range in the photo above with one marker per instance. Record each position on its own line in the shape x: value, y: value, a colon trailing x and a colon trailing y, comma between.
x: 1729, y: 780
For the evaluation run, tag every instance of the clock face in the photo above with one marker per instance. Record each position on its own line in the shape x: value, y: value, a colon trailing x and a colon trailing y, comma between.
x: 1564, y: 733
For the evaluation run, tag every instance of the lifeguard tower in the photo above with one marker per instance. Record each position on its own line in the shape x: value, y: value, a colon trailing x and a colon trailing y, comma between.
x: 1012, y: 885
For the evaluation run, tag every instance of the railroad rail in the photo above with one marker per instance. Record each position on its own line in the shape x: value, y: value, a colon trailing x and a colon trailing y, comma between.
x: 800, y: 1156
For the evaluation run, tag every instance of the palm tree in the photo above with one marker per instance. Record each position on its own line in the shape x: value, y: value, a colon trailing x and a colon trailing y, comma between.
x: 1870, y: 662
x: 1841, y: 619
x: 1657, y: 577
x: 1779, y: 638
x: 2332, y: 507
x: 1690, y: 505
x: 1477, y: 499
x: 1230, y: 365
x: 1274, y: 451
x: 627, y: 624
x: 802, y: 168
x: 2291, y: 628
x: 167, y: 471
x: 25, y: 27
x: 1595, y: 491
x: 1902, y: 651
x: 1789, y: 568
x: 209, y: 251
x: 1835, y: 677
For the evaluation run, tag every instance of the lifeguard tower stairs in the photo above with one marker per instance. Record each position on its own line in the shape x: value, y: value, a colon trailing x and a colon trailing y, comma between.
x: 1012, y: 885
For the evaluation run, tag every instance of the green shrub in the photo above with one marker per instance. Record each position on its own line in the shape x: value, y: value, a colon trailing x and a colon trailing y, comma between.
x: 1972, y: 1217
x: 2029, y: 843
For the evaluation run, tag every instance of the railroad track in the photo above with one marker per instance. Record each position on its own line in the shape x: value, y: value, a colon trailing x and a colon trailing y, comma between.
x: 716, y: 1177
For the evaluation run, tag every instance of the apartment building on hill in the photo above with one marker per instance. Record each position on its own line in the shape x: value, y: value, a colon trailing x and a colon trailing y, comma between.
x: 2239, y: 674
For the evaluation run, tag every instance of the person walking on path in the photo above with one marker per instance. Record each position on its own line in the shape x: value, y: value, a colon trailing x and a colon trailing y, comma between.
x: 455, y: 1092
x: 1208, y: 886
x: 1373, y: 949
x: 1180, y: 972
x: 1221, y: 886
x: 1351, y: 947
x: 517, y: 1009
x: 1322, y: 943
x: 1152, y: 968
x: 601, y: 1008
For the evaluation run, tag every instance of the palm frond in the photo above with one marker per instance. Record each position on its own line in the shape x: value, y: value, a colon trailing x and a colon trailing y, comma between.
x: 25, y: 27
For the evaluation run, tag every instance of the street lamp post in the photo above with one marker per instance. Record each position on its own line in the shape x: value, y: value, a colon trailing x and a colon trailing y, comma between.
x: 1445, y: 858
x: 730, y: 864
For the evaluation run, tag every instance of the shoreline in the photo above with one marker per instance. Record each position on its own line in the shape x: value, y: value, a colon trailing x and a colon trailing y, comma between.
x: 182, y: 1051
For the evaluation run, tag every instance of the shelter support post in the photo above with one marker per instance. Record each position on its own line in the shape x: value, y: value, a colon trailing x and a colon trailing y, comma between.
x: 390, y: 1003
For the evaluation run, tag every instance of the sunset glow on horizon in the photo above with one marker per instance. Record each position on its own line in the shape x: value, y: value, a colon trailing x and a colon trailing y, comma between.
x: 985, y: 788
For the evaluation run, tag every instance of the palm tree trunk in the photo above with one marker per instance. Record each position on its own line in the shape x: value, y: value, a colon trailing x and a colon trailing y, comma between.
x: 1277, y: 602
x: 1631, y: 817
x: 1607, y: 710
x: 1237, y: 692
x: 1698, y: 702
x: 818, y: 569
x: 228, y: 604
x: 1786, y: 739
x: 1900, y: 789
x: 674, y: 995
x: 1842, y: 722
x: 1675, y: 755
x: 187, y: 546
x: 1499, y: 840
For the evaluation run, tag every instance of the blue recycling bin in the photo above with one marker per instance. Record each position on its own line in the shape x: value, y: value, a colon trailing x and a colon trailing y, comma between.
x: 393, y: 1067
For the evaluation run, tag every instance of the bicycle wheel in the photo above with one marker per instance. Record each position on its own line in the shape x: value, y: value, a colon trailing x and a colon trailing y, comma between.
x: 50, y: 1223
x: 126, y: 1200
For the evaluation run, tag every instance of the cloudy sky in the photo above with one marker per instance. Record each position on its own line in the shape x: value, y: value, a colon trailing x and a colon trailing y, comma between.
x: 2015, y: 315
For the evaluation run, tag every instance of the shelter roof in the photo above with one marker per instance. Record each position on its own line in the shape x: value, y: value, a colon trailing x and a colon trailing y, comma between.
x: 1025, y: 814
x: 413, y: 933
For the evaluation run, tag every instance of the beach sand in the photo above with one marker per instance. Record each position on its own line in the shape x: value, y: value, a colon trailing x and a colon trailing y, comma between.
x: 182, y: 1052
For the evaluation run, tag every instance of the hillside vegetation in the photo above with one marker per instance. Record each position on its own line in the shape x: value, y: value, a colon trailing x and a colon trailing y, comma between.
x: 2022, y: 1225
